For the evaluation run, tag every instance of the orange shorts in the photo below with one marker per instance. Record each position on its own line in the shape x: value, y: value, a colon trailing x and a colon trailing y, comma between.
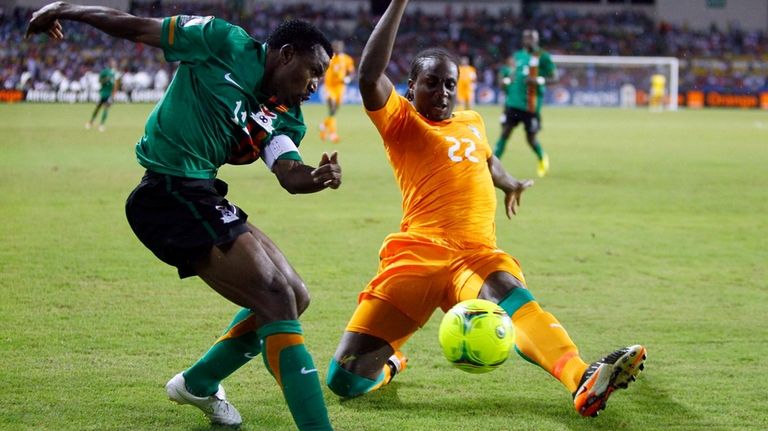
x: 334, y: 92
x: 419, y: 273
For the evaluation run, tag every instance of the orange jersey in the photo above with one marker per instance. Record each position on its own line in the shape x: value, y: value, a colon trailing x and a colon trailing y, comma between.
x: 467, y: 78
x: 442, y: 171
x: 341, y: 66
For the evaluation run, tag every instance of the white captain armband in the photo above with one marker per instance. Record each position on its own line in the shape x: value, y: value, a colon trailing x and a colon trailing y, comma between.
x: 276, y: 147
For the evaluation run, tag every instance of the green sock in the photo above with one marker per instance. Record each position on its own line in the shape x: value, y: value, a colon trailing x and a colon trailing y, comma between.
x: 347, y: 384
x: 536, y: 147
x: 104, y: 114
x: 291, y: 365
x: 235, y: 348
x: 499, y: 149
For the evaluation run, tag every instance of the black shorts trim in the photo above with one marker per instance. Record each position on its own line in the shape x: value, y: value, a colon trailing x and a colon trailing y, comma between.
x: 514, y: 116
x: 181, y: 219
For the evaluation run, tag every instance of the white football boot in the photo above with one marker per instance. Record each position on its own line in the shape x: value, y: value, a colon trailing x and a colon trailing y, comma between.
x: 216, y: 406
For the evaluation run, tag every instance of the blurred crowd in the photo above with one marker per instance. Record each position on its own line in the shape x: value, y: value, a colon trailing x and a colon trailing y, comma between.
x: 715, y: 58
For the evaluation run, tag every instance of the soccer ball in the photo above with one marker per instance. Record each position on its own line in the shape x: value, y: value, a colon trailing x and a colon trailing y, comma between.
x: 476, y: 336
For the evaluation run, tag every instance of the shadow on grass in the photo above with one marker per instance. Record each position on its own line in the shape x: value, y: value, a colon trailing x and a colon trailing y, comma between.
x: 643, y: 407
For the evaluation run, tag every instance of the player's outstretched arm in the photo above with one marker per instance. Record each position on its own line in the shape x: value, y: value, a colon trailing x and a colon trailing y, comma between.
x: 111, y: 21
x: 375, y: 87
x: 511, y: 186
x: 296, y: 177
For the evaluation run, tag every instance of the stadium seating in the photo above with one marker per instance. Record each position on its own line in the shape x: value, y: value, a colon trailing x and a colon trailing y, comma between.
x: 715, y: 58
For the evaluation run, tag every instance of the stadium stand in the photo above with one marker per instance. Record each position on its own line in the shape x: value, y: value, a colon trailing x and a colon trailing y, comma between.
x: 719, y: 59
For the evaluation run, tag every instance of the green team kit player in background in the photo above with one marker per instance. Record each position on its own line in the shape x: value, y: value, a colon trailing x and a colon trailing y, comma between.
x: 523, y: 81
x: 108, y: 82
x: 233, y: 100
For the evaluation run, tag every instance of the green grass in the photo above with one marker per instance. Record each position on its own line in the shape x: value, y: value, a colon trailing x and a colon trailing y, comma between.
x: 651, y: 228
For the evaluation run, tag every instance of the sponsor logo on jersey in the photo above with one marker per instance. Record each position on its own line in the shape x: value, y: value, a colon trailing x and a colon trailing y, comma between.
x: 228, y: 214
x: 228, y: 78
x: 264, y: 118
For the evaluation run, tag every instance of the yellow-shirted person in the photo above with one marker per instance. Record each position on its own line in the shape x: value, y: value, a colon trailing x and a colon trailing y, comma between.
x: 658, y: 92
x: 467, y: 84
x: 338, y: 75
x: 445, y: 251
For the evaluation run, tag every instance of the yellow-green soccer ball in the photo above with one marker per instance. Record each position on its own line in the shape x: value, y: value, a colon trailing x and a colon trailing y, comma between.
x: 476, y: 336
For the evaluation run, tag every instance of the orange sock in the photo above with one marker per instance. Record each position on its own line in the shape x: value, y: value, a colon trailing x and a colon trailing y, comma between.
x: 541, y: 339
x: 331, y: 124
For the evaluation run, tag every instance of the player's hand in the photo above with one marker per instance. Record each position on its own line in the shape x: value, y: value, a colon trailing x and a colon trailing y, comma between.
x: 512, y: 196
x: 45, y: 20
x: 328, y: 171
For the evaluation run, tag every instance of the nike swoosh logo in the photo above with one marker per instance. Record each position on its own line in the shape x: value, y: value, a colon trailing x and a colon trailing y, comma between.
x: 250, y: 355
x: 228, y: 77
x: 304, y: 370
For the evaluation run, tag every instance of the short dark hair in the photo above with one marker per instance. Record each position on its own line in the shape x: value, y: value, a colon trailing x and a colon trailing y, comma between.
x: 302, y: 35
x: 417, y: 64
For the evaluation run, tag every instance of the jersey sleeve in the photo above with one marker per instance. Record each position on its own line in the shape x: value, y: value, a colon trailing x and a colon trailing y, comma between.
x: 547, y: 67
x: 193, y: 38
x: 295, y: 136
x: 390, y: 119
x: 293, y: 127
x: 279, y: 147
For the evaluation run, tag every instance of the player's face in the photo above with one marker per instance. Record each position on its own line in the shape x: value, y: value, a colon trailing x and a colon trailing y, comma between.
x: 434, y: 91
x: 530, y: 39
x: 299, y: 75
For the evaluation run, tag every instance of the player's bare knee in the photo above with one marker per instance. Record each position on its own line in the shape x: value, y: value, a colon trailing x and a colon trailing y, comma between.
x: 273, y: 297
x: 498, y: 285
x: 301, y: 293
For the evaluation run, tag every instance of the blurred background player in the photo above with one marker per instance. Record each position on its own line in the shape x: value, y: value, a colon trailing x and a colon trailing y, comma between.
x: 465, y: 93
x: 445, y: 251
x: 338, y: 75
x: 108, y: 83
x: 658, y: 92
x: 522, y: 103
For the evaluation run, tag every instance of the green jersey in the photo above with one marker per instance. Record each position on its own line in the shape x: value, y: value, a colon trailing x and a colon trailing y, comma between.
x: 213, y: 112
x: 107, y: 81
x: 523, y: 95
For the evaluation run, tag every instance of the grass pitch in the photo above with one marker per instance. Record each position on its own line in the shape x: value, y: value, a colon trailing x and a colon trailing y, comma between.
x: 650, y: 228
